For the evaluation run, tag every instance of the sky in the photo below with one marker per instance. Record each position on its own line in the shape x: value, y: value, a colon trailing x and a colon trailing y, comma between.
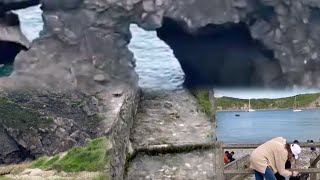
x: 261, y: 93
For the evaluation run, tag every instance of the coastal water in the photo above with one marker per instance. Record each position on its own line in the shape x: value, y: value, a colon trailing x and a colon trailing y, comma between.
x: 156, y: 65
x: 259, y: 126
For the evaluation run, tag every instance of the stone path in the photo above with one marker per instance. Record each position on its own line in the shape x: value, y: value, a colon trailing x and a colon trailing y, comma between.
x: 171, y: 117
x: 192, y: 165
x: 38, y: 174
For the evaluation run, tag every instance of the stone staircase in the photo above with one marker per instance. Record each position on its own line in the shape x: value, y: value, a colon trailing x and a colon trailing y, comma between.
x: 172, y: 138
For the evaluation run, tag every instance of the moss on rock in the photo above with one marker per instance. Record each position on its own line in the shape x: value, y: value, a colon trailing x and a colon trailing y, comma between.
x: 15, y: 116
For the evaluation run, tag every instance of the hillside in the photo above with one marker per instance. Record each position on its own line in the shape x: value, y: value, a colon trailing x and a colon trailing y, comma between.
x: 303, y: 101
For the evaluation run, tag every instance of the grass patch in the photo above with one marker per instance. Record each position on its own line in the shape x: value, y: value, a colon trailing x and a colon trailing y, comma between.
x: 204, y: 101
x: 93, y: 157
x: 39, y: 162
x: 51, y: 161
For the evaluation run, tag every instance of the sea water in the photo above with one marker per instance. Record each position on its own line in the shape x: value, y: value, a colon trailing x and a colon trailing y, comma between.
x: 260, y: 126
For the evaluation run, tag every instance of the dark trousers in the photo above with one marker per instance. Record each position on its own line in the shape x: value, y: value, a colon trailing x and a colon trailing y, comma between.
x: 268, y: 175
x: 287, y: 166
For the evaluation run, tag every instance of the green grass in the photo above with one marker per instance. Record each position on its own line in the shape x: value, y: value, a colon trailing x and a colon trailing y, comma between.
x: 39, y: 162
x: 51, y: 161
x: 204, y: 101
x: 93, y: 157
x: 303, y: 101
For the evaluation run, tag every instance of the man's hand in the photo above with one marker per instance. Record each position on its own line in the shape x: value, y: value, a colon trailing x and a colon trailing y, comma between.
x: 295, y: 173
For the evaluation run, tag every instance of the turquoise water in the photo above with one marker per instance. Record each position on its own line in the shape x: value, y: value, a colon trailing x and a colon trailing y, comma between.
x: 5, y: 69
x: 259, y: 126
x: 156, y: 65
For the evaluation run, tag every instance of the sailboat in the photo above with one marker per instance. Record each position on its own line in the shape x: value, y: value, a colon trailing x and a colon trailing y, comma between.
x: 250, y: 110
x: 295, y: 109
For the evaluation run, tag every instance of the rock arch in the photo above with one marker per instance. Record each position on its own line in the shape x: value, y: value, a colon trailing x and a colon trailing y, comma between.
x: 12, y: 41
x: 84, y: 43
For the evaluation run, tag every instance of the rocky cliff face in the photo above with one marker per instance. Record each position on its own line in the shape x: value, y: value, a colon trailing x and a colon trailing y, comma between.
x: 288, y: 28
x: 34, y: 123
x: 83, y: 49
x: 84, y: 43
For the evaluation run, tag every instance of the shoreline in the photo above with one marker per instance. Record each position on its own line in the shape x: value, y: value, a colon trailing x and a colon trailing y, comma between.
x: 239, y: 110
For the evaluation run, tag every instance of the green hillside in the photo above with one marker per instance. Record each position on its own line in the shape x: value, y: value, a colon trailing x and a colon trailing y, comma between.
x: 303, y: 101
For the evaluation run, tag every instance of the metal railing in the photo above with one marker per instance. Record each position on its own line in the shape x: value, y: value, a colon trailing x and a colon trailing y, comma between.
x: 220, y: 172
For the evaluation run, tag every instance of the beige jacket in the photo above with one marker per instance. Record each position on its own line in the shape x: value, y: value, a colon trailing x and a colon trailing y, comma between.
x: 272, y: 153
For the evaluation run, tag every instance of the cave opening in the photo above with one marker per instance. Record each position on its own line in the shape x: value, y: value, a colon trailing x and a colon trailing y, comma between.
x: 9, y: 48
x: 17, y: 28
x: 223, y: 55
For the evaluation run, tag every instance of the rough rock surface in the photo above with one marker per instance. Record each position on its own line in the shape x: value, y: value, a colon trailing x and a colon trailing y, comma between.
x: 221, y: 55
x: 47, y: 123
x: 123, y: 106
x: 286, y: 27
x: 171, y: 118
x: 7, y: 5
x: 192, y: 165
x: 10, y: 151
x: 42, y: 122
x: 84, y: 43
x: 167, y: 117
x: 84, y: 46
x: 13, y: 34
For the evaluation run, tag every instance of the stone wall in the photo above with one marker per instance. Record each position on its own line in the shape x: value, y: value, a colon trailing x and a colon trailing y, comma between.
x: 121, y: 128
